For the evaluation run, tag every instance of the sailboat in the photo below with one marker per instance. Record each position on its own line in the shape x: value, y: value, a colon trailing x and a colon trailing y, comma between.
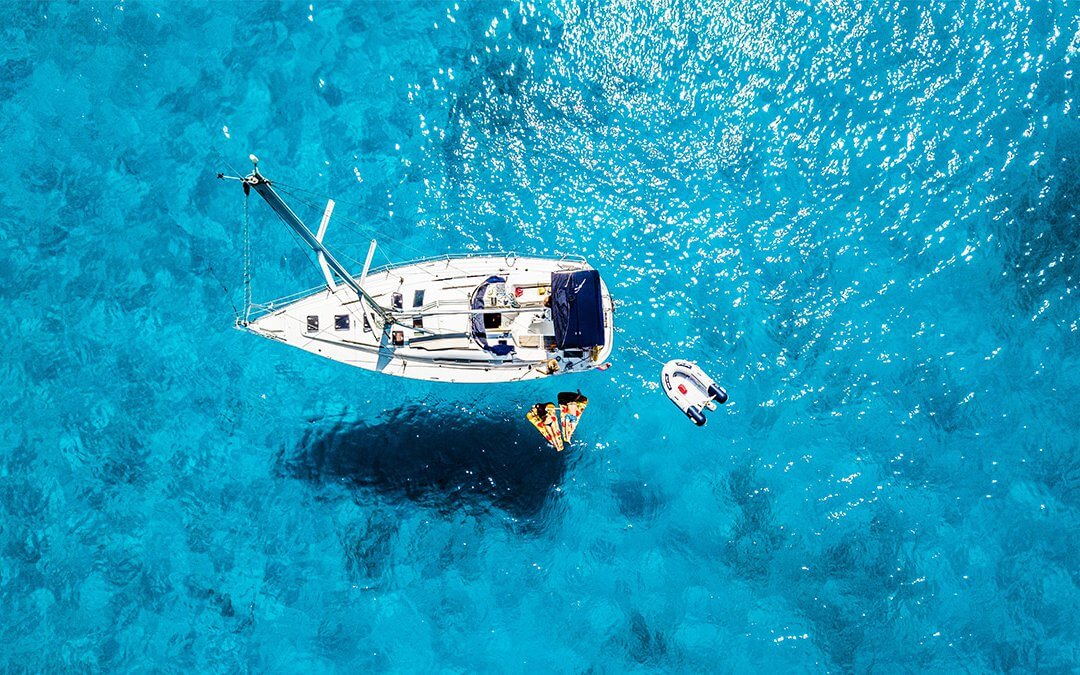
x: 476, y: 318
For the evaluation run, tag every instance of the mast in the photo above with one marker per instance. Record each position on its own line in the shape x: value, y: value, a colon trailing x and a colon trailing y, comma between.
x: 261, y: 185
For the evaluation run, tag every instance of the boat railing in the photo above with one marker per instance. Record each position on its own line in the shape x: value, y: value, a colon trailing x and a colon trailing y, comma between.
x: 509, y: 256
x: 261, y: 309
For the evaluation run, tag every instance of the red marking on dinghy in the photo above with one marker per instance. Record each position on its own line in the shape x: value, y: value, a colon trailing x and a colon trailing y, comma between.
x: 682, y: 388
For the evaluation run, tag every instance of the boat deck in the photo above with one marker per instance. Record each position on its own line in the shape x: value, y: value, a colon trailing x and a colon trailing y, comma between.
x: 433, y: 336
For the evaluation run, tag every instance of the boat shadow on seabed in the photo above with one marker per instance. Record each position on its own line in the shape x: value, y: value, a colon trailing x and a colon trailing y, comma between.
x: 443, y: 462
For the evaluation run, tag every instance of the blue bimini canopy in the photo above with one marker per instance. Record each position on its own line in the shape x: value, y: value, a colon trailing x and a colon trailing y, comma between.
x: 576, y: 309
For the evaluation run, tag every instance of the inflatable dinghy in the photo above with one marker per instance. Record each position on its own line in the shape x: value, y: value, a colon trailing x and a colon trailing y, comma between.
x: 691, y: 389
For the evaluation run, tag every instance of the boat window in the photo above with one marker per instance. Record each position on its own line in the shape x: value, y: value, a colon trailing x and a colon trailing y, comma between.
x: 418, y: 298
x: 398, y: 338
x: 396, y: 300
x: 492, y: 321
x: 418, y: 322
x: 367, y: 324
x: 313, y: 323
x: 341, y: 322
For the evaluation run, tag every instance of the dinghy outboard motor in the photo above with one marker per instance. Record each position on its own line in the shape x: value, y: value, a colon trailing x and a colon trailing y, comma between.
x: 691, y: 389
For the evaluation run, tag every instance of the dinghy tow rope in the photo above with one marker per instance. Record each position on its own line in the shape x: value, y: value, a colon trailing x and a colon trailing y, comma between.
x: 638, y: 348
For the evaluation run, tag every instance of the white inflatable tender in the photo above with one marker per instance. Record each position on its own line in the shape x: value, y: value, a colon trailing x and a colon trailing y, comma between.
x: 691, y: 389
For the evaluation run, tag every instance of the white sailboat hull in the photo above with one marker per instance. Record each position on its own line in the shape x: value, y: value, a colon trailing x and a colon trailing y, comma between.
x: 433, y: 337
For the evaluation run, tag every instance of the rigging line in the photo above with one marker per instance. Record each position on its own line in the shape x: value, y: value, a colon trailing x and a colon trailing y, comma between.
x: 338, y: 253
x: 306, y: 250
x: 303, y: 246
x: 247, y: 261
x: 362, y: 229
x: 346, y: 220
x: 389, y: 262
x: 226, y: 161
x: 236, y: 313
x: 314, y: 263
x: 345, y: 224
x: 316, y: 194
x: 354, y: 311
x: 286, y: 188
x: 351, y: 310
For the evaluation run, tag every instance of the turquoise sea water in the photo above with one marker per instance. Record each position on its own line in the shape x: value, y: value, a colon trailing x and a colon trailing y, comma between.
x: 860, y: 217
